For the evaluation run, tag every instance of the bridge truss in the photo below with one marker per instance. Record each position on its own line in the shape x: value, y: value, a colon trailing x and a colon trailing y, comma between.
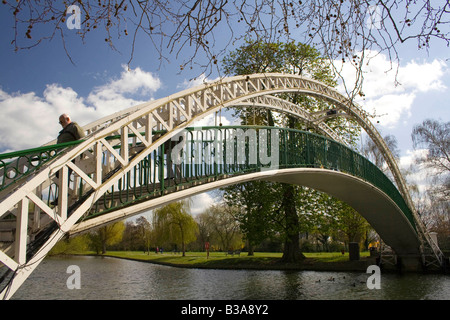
x: 116, y: 146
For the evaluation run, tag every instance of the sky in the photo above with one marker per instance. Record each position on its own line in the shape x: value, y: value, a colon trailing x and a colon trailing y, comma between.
x: 39, y: 84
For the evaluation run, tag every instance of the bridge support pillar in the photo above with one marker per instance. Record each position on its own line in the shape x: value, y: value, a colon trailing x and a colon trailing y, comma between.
x: 410, y: 263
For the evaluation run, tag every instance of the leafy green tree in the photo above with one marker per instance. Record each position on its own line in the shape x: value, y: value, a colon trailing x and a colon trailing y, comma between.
x: 321, y: 216
x: 350, y: 222
x: 329, y: 218
x: 131, y: 238
x: 71, y: 245
x: 106, y: 236
x: 255, y: 198
x: 144, y: 230
x: 294, y: 58
x: 173, y: 223
x: 221, y: 227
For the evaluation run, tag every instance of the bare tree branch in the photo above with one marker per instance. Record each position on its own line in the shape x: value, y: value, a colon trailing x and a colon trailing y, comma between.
x: 200, y: 32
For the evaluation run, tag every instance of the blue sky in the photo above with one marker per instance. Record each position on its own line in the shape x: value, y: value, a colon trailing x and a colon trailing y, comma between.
x: 37, y: 85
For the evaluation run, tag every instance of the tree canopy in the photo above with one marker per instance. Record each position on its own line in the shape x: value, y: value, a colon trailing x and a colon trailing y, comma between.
x: 273, y: 207
x: 173, y: 223
x: 106, y: 236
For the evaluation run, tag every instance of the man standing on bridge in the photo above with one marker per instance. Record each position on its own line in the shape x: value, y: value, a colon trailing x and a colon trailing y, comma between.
x: 71, y: 130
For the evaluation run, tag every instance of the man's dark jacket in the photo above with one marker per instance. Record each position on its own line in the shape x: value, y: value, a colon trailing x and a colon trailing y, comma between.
x: 71, y: 132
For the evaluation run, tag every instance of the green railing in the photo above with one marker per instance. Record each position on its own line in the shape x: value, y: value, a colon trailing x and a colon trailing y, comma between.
x: 16, y: 165
x: 19, y: 164
x: 213, y: 153
x: 201, y: 155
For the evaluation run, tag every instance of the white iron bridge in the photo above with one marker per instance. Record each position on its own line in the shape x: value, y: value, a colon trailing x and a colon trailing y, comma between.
x: 151, y: 154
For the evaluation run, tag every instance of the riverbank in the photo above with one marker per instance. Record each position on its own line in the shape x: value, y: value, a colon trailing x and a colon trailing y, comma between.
x: 322, y: 261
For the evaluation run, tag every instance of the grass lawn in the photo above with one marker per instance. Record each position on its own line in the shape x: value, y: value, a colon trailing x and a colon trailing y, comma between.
x: 263, y: 260
x: 333, y: 256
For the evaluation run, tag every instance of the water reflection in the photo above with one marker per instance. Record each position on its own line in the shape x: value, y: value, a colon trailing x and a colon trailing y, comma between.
x: 109, y: 278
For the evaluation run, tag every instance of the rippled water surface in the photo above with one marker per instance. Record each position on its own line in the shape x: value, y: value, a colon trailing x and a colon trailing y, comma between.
x: 110, y: 278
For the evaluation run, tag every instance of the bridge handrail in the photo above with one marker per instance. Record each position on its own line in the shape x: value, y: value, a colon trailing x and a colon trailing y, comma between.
x: 17, y: 164
x: 21, y: 163
x: 369, y: 172
x: 335, y: 156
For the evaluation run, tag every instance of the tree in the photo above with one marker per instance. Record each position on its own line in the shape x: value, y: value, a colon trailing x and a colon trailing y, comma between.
x: 255, y: 199
x: 372, y: 152
x: 131, y: 237
x: 440, y: 224
x: 434, y: 213
x: 291, y: 252
x: 301, y: 59
x: 174, y: 224
x: 222, y: 227
x: 205, y: 230
x: 431, y: 139
x: 291, y: 57
x: 145, y: 230
x: 351, y: 223
x: 202, y: 30
x: 79, y: 243
x: 320, y: 215
x: 107, y: 235
x: 257, y: 57
x: 434, y: 137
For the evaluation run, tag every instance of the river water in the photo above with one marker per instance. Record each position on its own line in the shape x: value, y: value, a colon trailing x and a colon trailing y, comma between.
x: 103, y: 278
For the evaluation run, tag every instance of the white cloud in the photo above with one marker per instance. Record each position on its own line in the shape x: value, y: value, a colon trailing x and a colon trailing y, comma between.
x: 121, y: 93
x: 201, y: 202
x: 21, y: 120
x: 30, y: 120
x: 423, y: 77
x: 390, y: 108
x: 135, y: 81
x: 390, y: 93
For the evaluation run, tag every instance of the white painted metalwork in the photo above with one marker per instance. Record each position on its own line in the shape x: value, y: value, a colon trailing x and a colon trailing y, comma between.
x: 101, y: 165
x: 284, y: 106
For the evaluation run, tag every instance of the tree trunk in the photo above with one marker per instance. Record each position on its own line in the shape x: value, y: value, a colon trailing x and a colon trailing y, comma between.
x: 103, y: 238
x: 183, y: 246
x: 250, y: 249
x: 291, y: 252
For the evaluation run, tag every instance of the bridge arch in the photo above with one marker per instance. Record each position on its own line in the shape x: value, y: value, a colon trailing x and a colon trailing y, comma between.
x: 382, y: 213
x: 117, y: 144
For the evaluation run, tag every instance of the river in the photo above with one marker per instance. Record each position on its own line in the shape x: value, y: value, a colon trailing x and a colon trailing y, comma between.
x: 103, y: 278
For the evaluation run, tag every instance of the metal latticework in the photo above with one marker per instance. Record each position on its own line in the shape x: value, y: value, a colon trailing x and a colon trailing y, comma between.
x: 47, y: 193
x: 213, y: 153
